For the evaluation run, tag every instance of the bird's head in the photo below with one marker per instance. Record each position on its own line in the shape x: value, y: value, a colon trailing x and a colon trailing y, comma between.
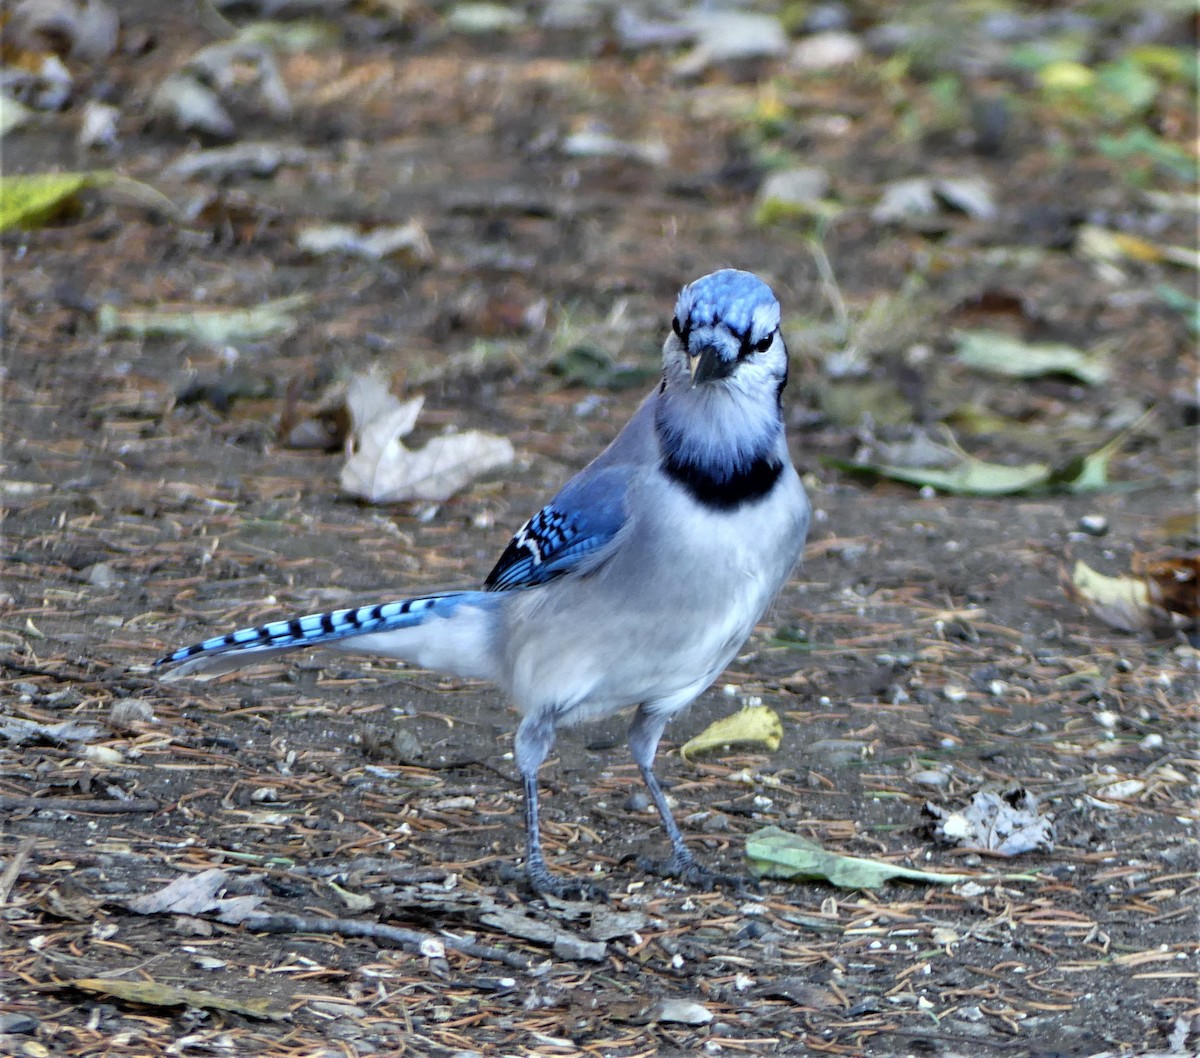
x: 726, y: 333
x: 724, y: 368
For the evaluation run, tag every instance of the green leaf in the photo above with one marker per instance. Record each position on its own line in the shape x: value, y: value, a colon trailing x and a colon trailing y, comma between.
x: 1001, y: 354
x: 774, y: 853
x: 1046, y: 51
x: 1125, y: 88
x: 969, y: 477
x: 1185, y: 304
x: 771, y: 212
x: 1175, y: 64
x: 1089, y: 473
x: 35, y: 200
x: 12, y: 115
x: 1141, y: 143
x: 846, y: 402
x: 588, y: 364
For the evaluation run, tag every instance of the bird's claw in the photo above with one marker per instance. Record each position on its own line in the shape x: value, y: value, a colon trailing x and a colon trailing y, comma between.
x: 544, y: 883
x: 686, y: 870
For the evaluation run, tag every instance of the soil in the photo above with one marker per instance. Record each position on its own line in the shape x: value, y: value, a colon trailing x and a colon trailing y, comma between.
x: 927, y: 649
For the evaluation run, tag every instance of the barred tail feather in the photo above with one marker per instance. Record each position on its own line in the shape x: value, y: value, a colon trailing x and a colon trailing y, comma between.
x: 394, y: 629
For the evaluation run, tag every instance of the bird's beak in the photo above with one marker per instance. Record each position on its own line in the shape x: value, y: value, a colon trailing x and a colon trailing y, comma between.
x: 707, y: 365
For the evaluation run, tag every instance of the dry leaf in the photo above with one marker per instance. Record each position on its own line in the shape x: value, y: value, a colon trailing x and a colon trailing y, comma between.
x: 380, y: 469
x: 1173, y: 582
x: 681, y: 1012
x: 190, y: 894
x: 18, y: 730
x: 409, y: 240
x: 368, y: 399
x: 1158, y: 593
x: 194, y: 894
x: 207, y: 325
x: 1007, y: 824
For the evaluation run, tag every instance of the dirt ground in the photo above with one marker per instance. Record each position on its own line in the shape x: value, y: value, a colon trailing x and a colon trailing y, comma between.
x: 926, y: 651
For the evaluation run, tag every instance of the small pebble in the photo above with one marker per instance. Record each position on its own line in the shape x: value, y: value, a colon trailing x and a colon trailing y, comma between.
x: 129, y: 711
x: 798, y: 186
x: 102, y: 576
x: 827, y: 50
x: 825, y: 17
x: 98, y: 125
x: 1094, y: 524
x: 24, y: 1024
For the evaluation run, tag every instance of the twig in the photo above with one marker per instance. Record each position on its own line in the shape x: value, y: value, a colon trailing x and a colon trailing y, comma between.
x: 409, y: 938
x: 829, y: 284
x: 9, y: 878
x: 78, y: 804
x: 34, y: 670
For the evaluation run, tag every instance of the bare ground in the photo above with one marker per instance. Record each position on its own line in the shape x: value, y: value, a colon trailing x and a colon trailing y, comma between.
x: 151, y: 503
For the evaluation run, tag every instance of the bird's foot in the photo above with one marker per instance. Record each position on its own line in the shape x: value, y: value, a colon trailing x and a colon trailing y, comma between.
x: 542, y: 881
x: 683, y: 868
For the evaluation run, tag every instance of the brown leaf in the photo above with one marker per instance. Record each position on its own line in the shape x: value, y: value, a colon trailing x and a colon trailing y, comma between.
x: 1173, y: 582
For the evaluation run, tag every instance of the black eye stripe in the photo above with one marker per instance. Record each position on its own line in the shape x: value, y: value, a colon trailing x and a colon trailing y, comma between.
x: 683, y: 331
x: 761, y: 346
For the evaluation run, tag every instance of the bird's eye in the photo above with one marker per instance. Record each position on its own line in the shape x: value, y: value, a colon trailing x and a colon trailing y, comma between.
x: 675, y: 326
x: 763, y: 344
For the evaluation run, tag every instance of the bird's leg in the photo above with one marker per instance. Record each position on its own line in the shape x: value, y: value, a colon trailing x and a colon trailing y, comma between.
x: 536, y: 871
x: 534, y: 738
x: 681, y: 862
x: 644, y: 735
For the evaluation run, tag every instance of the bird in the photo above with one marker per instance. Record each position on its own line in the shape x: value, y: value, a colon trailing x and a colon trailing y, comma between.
x: 635, y: 586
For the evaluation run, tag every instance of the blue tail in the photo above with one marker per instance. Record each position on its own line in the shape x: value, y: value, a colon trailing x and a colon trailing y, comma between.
x: 317, y: 629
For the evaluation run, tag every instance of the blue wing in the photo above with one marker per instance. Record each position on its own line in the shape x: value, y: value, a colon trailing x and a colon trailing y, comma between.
x: 572, y: 528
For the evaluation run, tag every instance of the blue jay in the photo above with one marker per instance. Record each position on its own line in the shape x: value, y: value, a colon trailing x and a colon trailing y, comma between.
x: 636, y: 585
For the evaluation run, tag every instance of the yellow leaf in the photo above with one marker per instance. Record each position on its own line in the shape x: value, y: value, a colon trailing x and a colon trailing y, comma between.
x: 755, y: 723
x: 1066, y: 77
x: 1120, y: 602
x: 31, y: 201
x: 153, y: 994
